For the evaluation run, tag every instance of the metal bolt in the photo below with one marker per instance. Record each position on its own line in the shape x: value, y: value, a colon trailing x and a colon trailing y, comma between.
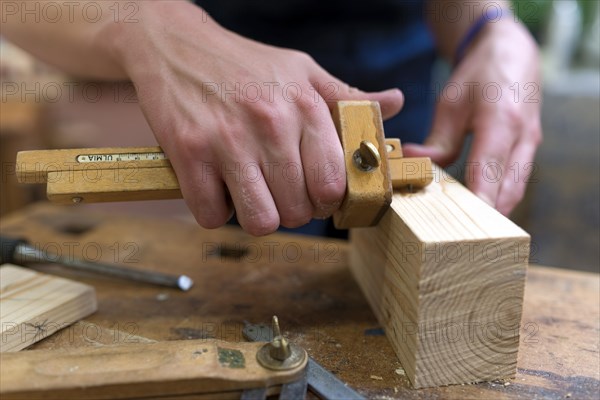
x: 367, y: 156
x: 280, y: 354
x: 280, y: 348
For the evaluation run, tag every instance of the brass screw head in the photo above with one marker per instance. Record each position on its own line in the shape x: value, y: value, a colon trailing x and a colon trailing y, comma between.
x: 279, y: 354
x: 367, y: 156
x: 280, y: 349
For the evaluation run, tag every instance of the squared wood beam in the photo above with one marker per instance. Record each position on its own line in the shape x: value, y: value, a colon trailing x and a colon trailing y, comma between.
x: 445, y: 274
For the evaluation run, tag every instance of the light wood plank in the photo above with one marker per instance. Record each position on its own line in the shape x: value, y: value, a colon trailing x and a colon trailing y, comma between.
x: 126, y: 371
x: 445, y: 273
x: 35, y: 305
x: 33, y: 166
x: 94, y: 186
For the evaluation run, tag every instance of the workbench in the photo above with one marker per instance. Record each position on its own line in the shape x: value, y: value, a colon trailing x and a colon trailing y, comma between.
x: 305, y: 281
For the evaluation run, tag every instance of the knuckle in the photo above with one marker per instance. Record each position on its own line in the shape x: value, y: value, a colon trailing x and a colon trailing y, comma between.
x: 271, y: 117
x: 536, y: 134
x: 514, y: 116
x: 308, y: 106
x: 193, y: 144
x: 198, y: 148
x: 296, y: 216
x: 211, y: 219
x: 329, y: 195
x: 449, y: 107
x: 261, y: 226
x: 230, y: 137
x: 301, y: 56
x: 210, y: 222
x: 266, y: 111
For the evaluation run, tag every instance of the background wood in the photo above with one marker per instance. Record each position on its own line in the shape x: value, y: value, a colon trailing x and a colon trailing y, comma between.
x: 34, y: 305
x: 318, y: 302
x: 22, y: 126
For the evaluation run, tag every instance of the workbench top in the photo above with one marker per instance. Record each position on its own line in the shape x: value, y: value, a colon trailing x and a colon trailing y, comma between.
x: 305, y: 281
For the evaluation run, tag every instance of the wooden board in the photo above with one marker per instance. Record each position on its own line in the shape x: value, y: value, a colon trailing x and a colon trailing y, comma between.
x: 319, y: 304
x: 127, y: 371
x: 35, y: 305
x: 445, y: 274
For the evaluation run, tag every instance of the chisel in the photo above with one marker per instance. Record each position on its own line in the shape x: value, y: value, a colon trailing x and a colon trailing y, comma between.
x: 19, y: 251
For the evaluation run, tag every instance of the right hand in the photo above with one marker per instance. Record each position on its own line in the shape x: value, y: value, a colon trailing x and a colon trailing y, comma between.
x: 245, y: 125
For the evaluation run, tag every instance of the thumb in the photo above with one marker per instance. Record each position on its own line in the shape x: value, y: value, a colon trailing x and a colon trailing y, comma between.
x: 331, y: 89
x: 445, y: 140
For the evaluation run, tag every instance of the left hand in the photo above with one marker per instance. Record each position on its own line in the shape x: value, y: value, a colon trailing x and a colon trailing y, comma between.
x: 499, y: 101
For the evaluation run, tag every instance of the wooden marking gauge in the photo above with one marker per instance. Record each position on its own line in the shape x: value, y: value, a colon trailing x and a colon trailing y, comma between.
x: 438, y: 259
x: 201, y: 369
x: 374, y: 167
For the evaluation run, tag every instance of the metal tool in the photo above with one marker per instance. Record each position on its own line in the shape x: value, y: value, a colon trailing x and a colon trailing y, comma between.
x: 279, y: 354
x: 19, y: 251
x: 320, y: 381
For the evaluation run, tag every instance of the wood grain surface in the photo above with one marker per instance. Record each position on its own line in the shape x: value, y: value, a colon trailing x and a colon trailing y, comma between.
x: 34, y: 305
x: 35, y: 165
x: 139, y: 370
x: 319, y: 304
x: 444, y: 272
x: 94, y: 186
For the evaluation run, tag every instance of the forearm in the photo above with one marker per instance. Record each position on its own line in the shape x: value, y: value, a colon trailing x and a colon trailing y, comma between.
x: 450, y: 21
x: 88, y: 38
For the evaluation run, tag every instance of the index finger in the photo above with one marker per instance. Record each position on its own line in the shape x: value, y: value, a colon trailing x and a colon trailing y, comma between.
x: 486, y: 164
x: 513, y: 185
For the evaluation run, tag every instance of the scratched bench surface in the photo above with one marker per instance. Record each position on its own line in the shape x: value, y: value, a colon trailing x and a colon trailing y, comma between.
x: 306, y: 282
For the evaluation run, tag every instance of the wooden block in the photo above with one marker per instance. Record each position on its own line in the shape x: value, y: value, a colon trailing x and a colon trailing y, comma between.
x: 368, y: 194
x: 214, y: 368
x: 445, y: 273
x: 412, y: 171
x: 35, y: 305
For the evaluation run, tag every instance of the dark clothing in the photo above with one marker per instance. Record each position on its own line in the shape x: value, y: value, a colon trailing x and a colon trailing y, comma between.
x: 371, y: 45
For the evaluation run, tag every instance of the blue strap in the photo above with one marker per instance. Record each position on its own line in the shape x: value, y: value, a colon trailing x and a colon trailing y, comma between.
x: 492, y: 14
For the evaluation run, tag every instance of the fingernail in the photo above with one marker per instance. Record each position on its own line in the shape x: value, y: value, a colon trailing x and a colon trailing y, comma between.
x: 231, y: 214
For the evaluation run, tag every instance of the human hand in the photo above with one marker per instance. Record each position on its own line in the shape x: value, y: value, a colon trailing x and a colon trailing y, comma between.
x: 245, y: 125
x: 495, y: 93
